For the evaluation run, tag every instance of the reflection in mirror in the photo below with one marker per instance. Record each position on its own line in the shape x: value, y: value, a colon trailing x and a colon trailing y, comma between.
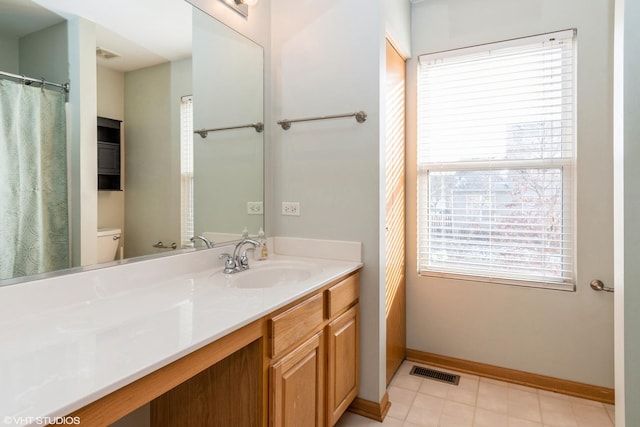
x: 147, y: 89
x: 228, y: 164
x: 34, y: 226
x: 151, y: 156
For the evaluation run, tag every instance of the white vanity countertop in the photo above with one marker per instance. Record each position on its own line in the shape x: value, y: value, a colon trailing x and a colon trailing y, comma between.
x: 70, y: 340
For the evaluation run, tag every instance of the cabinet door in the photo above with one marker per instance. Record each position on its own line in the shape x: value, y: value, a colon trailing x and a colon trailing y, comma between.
x: 108, y: 158
x: 343, y: 350
x: 296, y: 386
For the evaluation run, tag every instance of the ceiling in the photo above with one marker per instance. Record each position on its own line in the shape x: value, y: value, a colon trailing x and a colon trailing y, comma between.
x: 143, y: 32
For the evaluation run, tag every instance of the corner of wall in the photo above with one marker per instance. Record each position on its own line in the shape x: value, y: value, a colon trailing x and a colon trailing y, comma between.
x: 83, y: 136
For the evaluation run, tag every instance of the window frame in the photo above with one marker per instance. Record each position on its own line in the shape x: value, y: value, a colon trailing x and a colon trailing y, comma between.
x: 567, y: 165
x: 186, y: 171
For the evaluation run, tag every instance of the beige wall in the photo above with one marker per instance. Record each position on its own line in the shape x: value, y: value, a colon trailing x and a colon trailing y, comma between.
x: 327, y: 58
x: 110, y: 93
x: 148, y: 161
x: 566, y: 335
x: 44, y: 54
x: 9, y: 57
x: 152, y: 158
x: 82, y: 135
x: 228, y: 165
x: 110, y: 100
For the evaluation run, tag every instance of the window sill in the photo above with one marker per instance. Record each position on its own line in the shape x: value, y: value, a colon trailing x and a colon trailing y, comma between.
x: 567, y: 287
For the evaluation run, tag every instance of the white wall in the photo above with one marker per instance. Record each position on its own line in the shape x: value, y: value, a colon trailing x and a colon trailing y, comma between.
x: 627, y: 210
x: 566, y: 335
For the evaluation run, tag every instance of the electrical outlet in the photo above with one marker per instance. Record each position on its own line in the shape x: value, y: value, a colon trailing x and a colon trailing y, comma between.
x: 255, y: 208
x: 291, y: 208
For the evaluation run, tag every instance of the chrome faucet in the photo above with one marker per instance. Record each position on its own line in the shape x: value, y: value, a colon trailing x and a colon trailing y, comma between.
x: 206, y: 241
x: 238, y: 261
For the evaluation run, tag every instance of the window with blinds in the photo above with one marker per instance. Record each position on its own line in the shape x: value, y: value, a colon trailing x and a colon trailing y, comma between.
x: 186, y: 170
x: 496, y: 150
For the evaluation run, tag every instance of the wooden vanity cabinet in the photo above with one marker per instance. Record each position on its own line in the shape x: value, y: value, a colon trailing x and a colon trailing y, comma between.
x: 295, y: 367
x: 343, y: 346
x: 314, y: 357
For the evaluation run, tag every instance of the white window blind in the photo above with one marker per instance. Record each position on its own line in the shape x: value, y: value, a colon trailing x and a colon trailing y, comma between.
x: 495, y: 162
x: 186, y: 169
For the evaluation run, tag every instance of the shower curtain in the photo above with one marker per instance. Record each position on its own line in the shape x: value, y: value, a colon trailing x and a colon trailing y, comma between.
x: 34, y: 220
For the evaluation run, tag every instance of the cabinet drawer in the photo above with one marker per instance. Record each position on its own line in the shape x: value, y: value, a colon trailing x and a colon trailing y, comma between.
x: 342, y: 295
x: 293, y: 325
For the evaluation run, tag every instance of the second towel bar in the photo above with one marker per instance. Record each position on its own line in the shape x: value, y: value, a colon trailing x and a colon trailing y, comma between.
x: 161, y: 245
x: 360, y: 116
x: 259, y: 127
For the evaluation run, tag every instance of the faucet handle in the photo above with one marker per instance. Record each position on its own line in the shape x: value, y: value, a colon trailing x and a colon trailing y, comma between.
x: 244, y: 261
x: 229, y: 263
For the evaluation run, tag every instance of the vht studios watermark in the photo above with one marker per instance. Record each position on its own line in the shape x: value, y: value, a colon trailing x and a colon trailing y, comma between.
x: 21, y: 421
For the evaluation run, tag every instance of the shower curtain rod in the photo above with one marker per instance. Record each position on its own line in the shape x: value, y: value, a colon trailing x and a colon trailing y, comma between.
x: 29, y: 80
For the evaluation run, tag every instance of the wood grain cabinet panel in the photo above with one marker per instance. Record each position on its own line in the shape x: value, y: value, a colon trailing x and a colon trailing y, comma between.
x: 228, y: 393
x: 342, y: 295
x: 343, y: 348
x: 295, y: 324
x: 297, y: 386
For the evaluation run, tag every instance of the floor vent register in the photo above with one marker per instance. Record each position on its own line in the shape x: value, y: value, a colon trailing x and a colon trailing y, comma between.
x: 432, y: 374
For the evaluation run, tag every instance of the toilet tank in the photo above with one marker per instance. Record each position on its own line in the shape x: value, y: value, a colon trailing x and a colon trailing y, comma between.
x: 108, y: 242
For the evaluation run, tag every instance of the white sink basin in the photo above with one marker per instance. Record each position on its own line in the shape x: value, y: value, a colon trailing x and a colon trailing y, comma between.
x: 273, y: 273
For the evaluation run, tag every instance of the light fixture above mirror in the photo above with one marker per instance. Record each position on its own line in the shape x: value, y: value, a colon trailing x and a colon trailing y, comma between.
x: 240, y: 6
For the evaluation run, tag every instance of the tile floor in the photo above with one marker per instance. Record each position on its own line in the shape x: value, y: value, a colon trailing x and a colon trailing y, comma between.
x: 480, y: 402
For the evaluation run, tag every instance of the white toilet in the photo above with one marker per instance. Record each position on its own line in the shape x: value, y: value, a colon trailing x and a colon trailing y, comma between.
x: 108, y: 242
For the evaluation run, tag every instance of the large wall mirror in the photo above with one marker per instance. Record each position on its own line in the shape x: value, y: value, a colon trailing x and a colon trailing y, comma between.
x: 163, y: 70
